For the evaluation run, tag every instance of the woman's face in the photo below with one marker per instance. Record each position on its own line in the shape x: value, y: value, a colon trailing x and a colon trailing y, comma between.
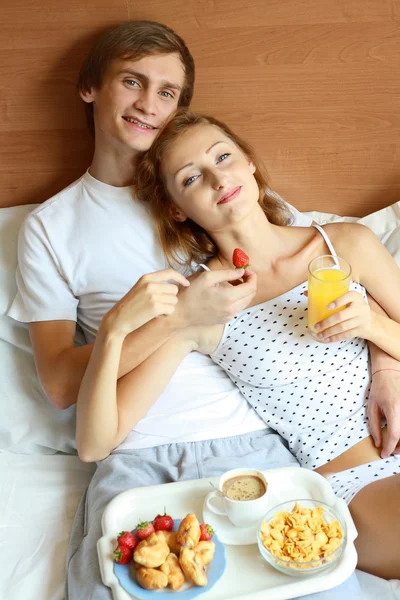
x: 209, y: 178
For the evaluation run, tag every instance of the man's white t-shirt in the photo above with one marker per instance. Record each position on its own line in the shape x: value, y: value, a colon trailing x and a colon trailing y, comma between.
x: 78, y: 254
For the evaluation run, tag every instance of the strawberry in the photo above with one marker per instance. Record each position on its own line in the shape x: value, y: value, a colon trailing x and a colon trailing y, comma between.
x: 143, y: 530
x: 206, y: 532
x: 127, y: 539
x: 163, y: 522
x: 122, y: 555
x: 240, y: 259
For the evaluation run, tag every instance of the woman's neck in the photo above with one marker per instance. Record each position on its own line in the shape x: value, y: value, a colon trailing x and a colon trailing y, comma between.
x: 263, y: 242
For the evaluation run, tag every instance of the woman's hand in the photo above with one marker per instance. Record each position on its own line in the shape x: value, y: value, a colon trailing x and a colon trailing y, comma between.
x: 384, y: 403
x: 151, y: 296
x: 355, y: 319
x: 213, y: 299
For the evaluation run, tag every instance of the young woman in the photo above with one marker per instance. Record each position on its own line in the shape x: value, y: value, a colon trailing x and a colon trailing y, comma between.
x: 206, y: 191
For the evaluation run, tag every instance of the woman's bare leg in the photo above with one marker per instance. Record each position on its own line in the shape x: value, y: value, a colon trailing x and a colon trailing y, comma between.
x: 376, y: 514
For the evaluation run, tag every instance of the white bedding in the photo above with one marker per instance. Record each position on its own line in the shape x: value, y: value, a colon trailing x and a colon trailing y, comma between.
x: 39, y: 495
x: 39, y: 489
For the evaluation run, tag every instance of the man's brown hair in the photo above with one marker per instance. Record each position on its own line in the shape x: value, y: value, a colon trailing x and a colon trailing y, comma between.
x: 133, y: 40
x: 186, y: 242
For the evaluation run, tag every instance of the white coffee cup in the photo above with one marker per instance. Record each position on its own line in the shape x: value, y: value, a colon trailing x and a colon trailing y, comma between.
x: 242, y: 513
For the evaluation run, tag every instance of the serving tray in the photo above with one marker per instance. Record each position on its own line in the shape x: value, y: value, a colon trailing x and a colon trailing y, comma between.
x: 247, y: 575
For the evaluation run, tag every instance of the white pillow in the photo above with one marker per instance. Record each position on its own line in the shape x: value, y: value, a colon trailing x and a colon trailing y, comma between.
x: 29, y: 424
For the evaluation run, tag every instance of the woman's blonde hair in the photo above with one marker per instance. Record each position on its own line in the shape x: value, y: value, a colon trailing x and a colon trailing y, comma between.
x: 186, y: 242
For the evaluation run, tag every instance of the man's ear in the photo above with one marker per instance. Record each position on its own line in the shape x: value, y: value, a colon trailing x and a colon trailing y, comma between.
x: 177, y: 214
x: 88, y: 95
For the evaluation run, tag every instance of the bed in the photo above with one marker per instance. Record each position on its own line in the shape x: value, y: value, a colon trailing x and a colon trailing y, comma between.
x: 312, y: 84
x: 41, y: 478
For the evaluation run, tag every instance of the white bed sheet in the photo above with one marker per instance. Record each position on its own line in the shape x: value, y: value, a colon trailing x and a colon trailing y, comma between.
x: 38, y: 498
x: 39, y: 495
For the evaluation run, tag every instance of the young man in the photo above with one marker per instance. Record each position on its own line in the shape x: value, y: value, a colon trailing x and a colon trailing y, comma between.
x: 85, y: 252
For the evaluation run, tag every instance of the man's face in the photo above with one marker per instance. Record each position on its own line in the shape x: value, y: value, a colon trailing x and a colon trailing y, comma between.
x: 135, y: 99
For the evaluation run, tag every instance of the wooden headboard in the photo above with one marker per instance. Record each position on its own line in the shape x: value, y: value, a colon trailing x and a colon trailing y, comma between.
x: 313, y: 85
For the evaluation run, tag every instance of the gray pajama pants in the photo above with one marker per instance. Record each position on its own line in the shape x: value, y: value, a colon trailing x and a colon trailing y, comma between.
x: 125, y: 469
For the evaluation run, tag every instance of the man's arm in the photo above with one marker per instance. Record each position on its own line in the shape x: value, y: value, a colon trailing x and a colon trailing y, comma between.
x: 384, y: 397
x: 61, y: 365
x: 209, y: 300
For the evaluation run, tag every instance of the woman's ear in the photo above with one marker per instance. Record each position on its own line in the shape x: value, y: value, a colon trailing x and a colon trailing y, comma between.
x: 177, y: 214
x: 252, y: 167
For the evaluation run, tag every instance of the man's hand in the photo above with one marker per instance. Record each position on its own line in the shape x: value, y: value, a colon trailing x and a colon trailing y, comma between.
x: 384, y: 402
x: 211, y: 299
x: 152, y: 296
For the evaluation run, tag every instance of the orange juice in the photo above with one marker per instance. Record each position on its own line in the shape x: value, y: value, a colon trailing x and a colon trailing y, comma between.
x: 325, y: 284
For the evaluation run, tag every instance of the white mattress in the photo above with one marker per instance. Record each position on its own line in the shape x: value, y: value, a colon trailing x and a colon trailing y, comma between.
x: 38, y: 498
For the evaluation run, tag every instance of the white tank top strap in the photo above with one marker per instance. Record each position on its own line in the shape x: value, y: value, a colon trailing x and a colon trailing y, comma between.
x: 327, y: 240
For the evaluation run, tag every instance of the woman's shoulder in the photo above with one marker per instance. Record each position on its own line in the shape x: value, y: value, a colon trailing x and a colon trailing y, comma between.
x: 349, y: 235
x: 353, y: 242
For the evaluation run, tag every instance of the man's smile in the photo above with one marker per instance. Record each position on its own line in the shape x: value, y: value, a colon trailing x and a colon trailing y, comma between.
x: 138, y: 123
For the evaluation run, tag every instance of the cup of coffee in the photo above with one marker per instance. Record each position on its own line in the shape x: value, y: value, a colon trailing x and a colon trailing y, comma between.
x: 242, y: 497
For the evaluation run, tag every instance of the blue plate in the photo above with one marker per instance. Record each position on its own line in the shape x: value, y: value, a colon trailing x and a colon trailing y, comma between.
x: 214, y: 572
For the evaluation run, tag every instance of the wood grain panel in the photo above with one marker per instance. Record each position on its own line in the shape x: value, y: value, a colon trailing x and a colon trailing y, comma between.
x: 220, y: 14
x: 337, y: 179
x: 340, y: 44
x: 35, y: 165
x: 45, y: 101
x: 312, y: 84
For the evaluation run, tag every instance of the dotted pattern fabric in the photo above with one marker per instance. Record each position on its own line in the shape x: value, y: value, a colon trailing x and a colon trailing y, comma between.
x: 313, y: 394
x: 347, y: 484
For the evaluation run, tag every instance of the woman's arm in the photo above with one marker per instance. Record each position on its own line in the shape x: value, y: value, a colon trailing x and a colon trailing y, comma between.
x: 379, y: 274
x: 108, y: 409
x: 98, y: 427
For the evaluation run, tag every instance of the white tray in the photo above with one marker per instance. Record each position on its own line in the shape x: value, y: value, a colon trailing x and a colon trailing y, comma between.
x: 247, y: 575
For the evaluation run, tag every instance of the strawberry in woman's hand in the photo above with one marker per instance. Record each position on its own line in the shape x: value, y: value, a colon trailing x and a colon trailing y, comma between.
x: 206, y: 532
x: 126, y: 538
x: 240, y: 259
x: 143, y: 530
x: 163, y: 522
x: 122, y: 555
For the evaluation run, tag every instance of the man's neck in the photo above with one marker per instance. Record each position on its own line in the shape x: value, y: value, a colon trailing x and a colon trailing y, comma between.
x: 113, y: 169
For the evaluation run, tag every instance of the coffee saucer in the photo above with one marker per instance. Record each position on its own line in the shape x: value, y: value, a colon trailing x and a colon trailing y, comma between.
x: 226, y: 531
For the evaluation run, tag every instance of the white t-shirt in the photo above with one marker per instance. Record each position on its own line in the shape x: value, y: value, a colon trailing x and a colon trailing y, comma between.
x: 78, y: 254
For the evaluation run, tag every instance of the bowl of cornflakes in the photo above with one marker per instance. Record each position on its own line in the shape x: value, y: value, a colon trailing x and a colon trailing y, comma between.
x: 302, y: 537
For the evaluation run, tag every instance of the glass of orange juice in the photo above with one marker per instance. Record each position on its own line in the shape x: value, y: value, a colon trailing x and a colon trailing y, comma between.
x: 328, y: 279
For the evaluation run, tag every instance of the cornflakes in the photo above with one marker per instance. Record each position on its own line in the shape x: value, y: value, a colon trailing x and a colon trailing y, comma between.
x: 302, y: 535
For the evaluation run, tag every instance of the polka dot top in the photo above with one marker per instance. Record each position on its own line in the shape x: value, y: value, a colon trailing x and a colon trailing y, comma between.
x: 313, y: 394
